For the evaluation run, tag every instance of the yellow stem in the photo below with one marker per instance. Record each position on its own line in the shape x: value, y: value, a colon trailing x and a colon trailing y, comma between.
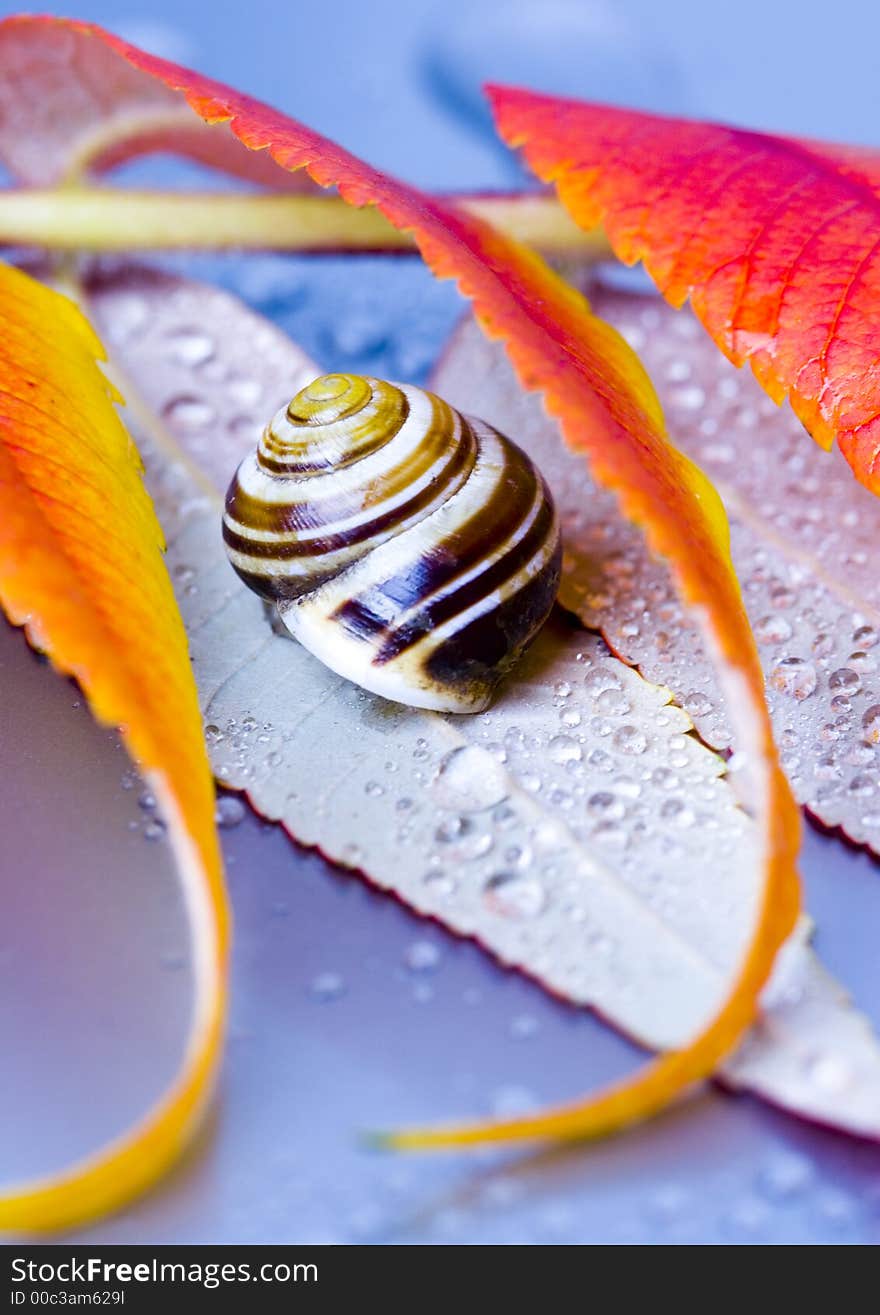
x: 75, y: 218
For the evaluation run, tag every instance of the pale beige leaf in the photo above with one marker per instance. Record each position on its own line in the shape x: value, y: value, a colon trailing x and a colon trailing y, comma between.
x: 579, y: 829
x: 805, y: 543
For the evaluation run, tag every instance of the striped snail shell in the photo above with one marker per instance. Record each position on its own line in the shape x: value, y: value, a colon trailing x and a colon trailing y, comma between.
x: 413, y: 550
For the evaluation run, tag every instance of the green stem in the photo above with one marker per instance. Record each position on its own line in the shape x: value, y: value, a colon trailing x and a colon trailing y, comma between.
x: 108, y: 219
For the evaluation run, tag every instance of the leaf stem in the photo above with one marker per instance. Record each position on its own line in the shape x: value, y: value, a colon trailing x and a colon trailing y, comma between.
x: 110, y: 219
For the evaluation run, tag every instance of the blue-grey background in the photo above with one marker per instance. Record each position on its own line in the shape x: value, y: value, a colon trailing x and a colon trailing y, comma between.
x: 348, y: 1012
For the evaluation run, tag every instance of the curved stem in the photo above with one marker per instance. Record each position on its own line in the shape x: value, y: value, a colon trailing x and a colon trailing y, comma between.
x: 110, y: 219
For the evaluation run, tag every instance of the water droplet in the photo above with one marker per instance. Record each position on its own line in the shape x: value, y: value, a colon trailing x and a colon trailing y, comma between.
x: 374, y: 789
x: 422, y: 957
x: 230, y: 811
x: 243, y: 390
x: 860, y: 660
x: 463, y: 839
x: 439, y: 883
x: 836, y: 1209
x: 785, y: 1176
x: 747, y: 1218
x: 606, y: 805
x: 510, y: 1102
x: 865, y: 637
x: 147, y: 801
x: 189, y: 346
x: 829, y: 1073
x: 794, y: 677
x: 675, y: 810
x: 563, y: 749
x: 871, y: 724
x: 470, y: 780
x: 613, y: 703
x: 772, y: 630
x: 697, y: 704
x: 327, y: 986
x: 154, y: 829
x: 862, y: 785
x: 188, y: 412
x: 689, y: 399
x: 629, y: 739
x: 523, y: 1026
x: 514, y: 895
x: 844, y: 680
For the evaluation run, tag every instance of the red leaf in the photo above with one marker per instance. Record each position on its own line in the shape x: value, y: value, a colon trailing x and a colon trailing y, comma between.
x: 594, y: 385
x: 775, y: 241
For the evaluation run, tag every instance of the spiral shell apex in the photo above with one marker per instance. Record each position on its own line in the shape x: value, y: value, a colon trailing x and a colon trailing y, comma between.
x: 412, y: 549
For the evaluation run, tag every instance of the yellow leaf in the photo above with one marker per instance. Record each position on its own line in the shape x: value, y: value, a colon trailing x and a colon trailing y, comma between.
x: 81, y: 568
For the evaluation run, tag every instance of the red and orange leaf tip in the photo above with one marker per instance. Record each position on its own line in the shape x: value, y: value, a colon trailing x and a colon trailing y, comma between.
x: 774, y: 240
x: 593, y: 383
x: 81, y: 568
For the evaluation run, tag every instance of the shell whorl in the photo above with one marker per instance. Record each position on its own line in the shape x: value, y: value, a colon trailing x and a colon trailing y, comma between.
x: 412, y: 549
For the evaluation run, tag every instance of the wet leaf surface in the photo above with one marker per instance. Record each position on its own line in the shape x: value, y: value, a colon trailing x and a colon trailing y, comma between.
x: 804, y: 537
x: 566, y: 829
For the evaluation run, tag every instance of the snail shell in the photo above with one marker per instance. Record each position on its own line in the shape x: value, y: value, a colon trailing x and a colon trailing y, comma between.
x: 412, y: 549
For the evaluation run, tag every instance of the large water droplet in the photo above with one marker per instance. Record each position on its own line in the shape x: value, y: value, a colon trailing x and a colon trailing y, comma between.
x: 189, y: 346
x: 629, y: 739
x: 829, y: 1073
x: 794, y: 677
x: 469, y: 780
x: 772, y: 630
x: 564, y: 749
x: 230, y: 811
x: 844, y: 680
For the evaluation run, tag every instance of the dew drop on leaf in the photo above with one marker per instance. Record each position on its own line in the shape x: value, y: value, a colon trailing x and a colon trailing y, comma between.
x: 629, y: 739
x: 795, y: 677
x: 564, y: 749
x: 844, y: 679
x: 772, y: 630
x: 871, y: 724
x: 514, y: 895
x: 461, y: 839
x: 469, y: 780
x: 189, y: 346
x: 189, y: 412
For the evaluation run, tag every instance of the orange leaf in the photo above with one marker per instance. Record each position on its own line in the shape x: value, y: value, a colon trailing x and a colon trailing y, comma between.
x: 81, y: 569
x: 773, y: 239
x: 594, y: 385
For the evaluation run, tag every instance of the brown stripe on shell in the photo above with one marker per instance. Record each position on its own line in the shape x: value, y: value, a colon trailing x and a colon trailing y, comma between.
x: 451, y: 557
x: 460, y: 600
x: 277, y: 456
x: 294, y: 517
x: 510, y: 545
x: 482, y: 651
x: 459, y: 464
